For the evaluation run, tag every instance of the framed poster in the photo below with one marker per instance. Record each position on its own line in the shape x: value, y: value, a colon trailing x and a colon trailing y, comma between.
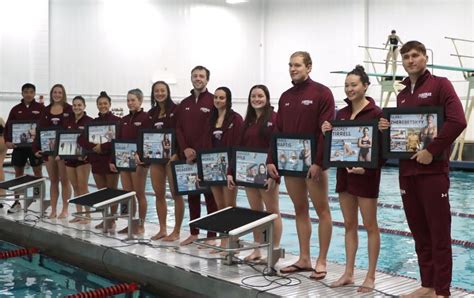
x: 66, y: 144
x: 293, y: 153
x: 250, y: 167
x: 212, y: 166
x: 411, y: 130
x: 124, y: 153
x: 100, y: 132
x: 156, y: 145
x: 351, y: 144
x: 186, y: 178
x: 23, y: 132
x: 47, y: 140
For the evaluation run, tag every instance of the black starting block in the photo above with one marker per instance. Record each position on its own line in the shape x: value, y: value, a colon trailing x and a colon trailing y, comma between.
x: 234, y: 222
x: 19, y: 188
x: 101, y: 201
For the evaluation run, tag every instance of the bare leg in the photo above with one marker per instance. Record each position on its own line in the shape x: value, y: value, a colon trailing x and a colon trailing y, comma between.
x: 256, y: 203
x: 65, y: 188
x: 158, y: 181
x: 178, y: 208
x: 53, y: 173
x: 139, y: 180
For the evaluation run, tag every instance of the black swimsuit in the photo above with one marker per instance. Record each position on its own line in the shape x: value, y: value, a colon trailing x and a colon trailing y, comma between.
x: 393, y: 42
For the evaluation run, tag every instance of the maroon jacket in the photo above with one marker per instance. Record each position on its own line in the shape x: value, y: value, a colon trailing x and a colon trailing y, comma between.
x: 251, y: 138
x: 48, y: 120
x: 130, y: 125
x: 169, y: 119
x: 226, y: 136
x: 302, y: 109
x: 192, y: 116
x: 22, y: 112
x: 100, y: 162
x: 434, y: 91
x: 70, y: 123
x: 366, y: 185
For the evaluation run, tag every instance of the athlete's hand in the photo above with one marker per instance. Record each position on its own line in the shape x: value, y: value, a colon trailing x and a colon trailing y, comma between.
x: 314, y: 172
x: 97, y: 149
x: 39, y: 154
x: 383, y: 124
x: 10, y: 145
x: 190, y: 155
x: 326, y: 126
x: 230, y: 182
x: 112, y: 168
x: 270, y: 184
x: 272, y: 171
x: 356, y: 170
x: 424, y: 157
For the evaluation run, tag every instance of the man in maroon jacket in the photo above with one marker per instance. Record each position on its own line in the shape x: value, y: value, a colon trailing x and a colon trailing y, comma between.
x: 192, y: 115
x: 27, y: 109
x: 424, y: 182
x: 301, y: 110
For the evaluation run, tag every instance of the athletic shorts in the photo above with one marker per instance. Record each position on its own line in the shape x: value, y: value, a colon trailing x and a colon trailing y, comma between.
x: 21, y: 155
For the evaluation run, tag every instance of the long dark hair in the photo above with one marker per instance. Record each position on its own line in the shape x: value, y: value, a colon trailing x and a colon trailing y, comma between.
x: 228, y: 107
x: 168, y: 100
x: 251, y: 115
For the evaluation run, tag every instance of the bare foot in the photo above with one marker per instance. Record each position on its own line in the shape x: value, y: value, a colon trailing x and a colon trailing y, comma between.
x: 171, y: 237
x: 75, y: 219
x: 159, y: 235
x: 123, y: 231
x: 63, y: 214
x: 189, y: 240
x: 52, y: 216
x: 421, y: 291
x: 138, y: 230
x: 85, y: 221
x: 367, y: 286
x: 254, y: 256
x: 208, y: 242
x: 100, y: 226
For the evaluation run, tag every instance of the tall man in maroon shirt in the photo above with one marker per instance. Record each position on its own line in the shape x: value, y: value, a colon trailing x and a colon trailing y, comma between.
x: 301, y: 110
x: 424, y: 182
x: 27, y: 109
x: 192, y: 115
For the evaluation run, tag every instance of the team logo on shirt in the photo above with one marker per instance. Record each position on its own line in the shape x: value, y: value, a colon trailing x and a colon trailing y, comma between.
x: 307, y: 102
x: 403, y: 101
x: 19, y: 112
x: 137, y: 123
x: 171, y: 115
x: 217, y: 134
x: 403, y: 192
x: 444, y: 195
x: 269, y: 124
x: 205, y: 110
x: 34, y: 112
x: 159, y: 125
x: 66, y: 114
x: 187, y: 108
x: 424, y: 95
x: 230, y: 126
x: 81, y: 127
x: 55, y: 121
x: 287, y: 104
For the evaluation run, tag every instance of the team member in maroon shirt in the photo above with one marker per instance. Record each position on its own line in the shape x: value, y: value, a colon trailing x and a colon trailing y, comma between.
x: 424, y: 182
x: 193, y: 113
x: 100, y: 157
x: 258, y: 126
x: 134, y: 181
x: 223, y: 132
x: 27, y: 109
x: 302, y: 110
x: 78, y: 169
x: 162, y: 116
x: 53, y: 116
x: 358, y: 187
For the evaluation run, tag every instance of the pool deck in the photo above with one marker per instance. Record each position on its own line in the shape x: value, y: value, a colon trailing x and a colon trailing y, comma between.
x: 169, y: 269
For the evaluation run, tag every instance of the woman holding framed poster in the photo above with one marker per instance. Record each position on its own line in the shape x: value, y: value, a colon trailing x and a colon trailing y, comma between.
x: 78, y: 169
x: 162, y: 116
x: 358, y: 187
x: 3, y: 152
x: 256, y: 134
x: 99, y: 152
x: 223, y: 132
x: 53, y: 116
x: 134, y: 181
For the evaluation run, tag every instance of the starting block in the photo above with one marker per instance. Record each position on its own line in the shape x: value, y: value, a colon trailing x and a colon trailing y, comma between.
x: 234, y: 222
x: 19, y: 188
x: 101, y: 201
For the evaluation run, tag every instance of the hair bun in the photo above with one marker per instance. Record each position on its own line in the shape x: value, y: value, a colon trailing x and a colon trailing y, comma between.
x: 103, y: 93
x: 359, y: 68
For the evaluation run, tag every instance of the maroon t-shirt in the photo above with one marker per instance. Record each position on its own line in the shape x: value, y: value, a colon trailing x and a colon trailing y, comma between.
x: 226, y: 136
x: 22, y: 111
x: 302, y: 109
x: 168, y: 120
x: 367, y: 184
x: 192, y: 118
x: 434, y: 91
x: 130, y: 125
x: 251, y: 137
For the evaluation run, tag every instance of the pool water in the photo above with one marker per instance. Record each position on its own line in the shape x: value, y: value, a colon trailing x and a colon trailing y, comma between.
x: 397, y: 254
x: 41, y: 276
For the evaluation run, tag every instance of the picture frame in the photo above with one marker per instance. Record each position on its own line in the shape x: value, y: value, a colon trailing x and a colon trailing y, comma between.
x: 67, y: 146
x: 156, y: 145
x: 250, y: 167
x: 352, y: 143
x: 185, y: 177
x: 100, y: 132
x: 47, y: 140
x: 23, y: 132
x: 411, y: 130
x: 123, y: 152
x: 212, y: 166
x: 293, y: 153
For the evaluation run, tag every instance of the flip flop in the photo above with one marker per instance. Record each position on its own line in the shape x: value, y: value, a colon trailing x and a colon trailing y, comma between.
x: 323, y: 276
x: 294, y: 269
